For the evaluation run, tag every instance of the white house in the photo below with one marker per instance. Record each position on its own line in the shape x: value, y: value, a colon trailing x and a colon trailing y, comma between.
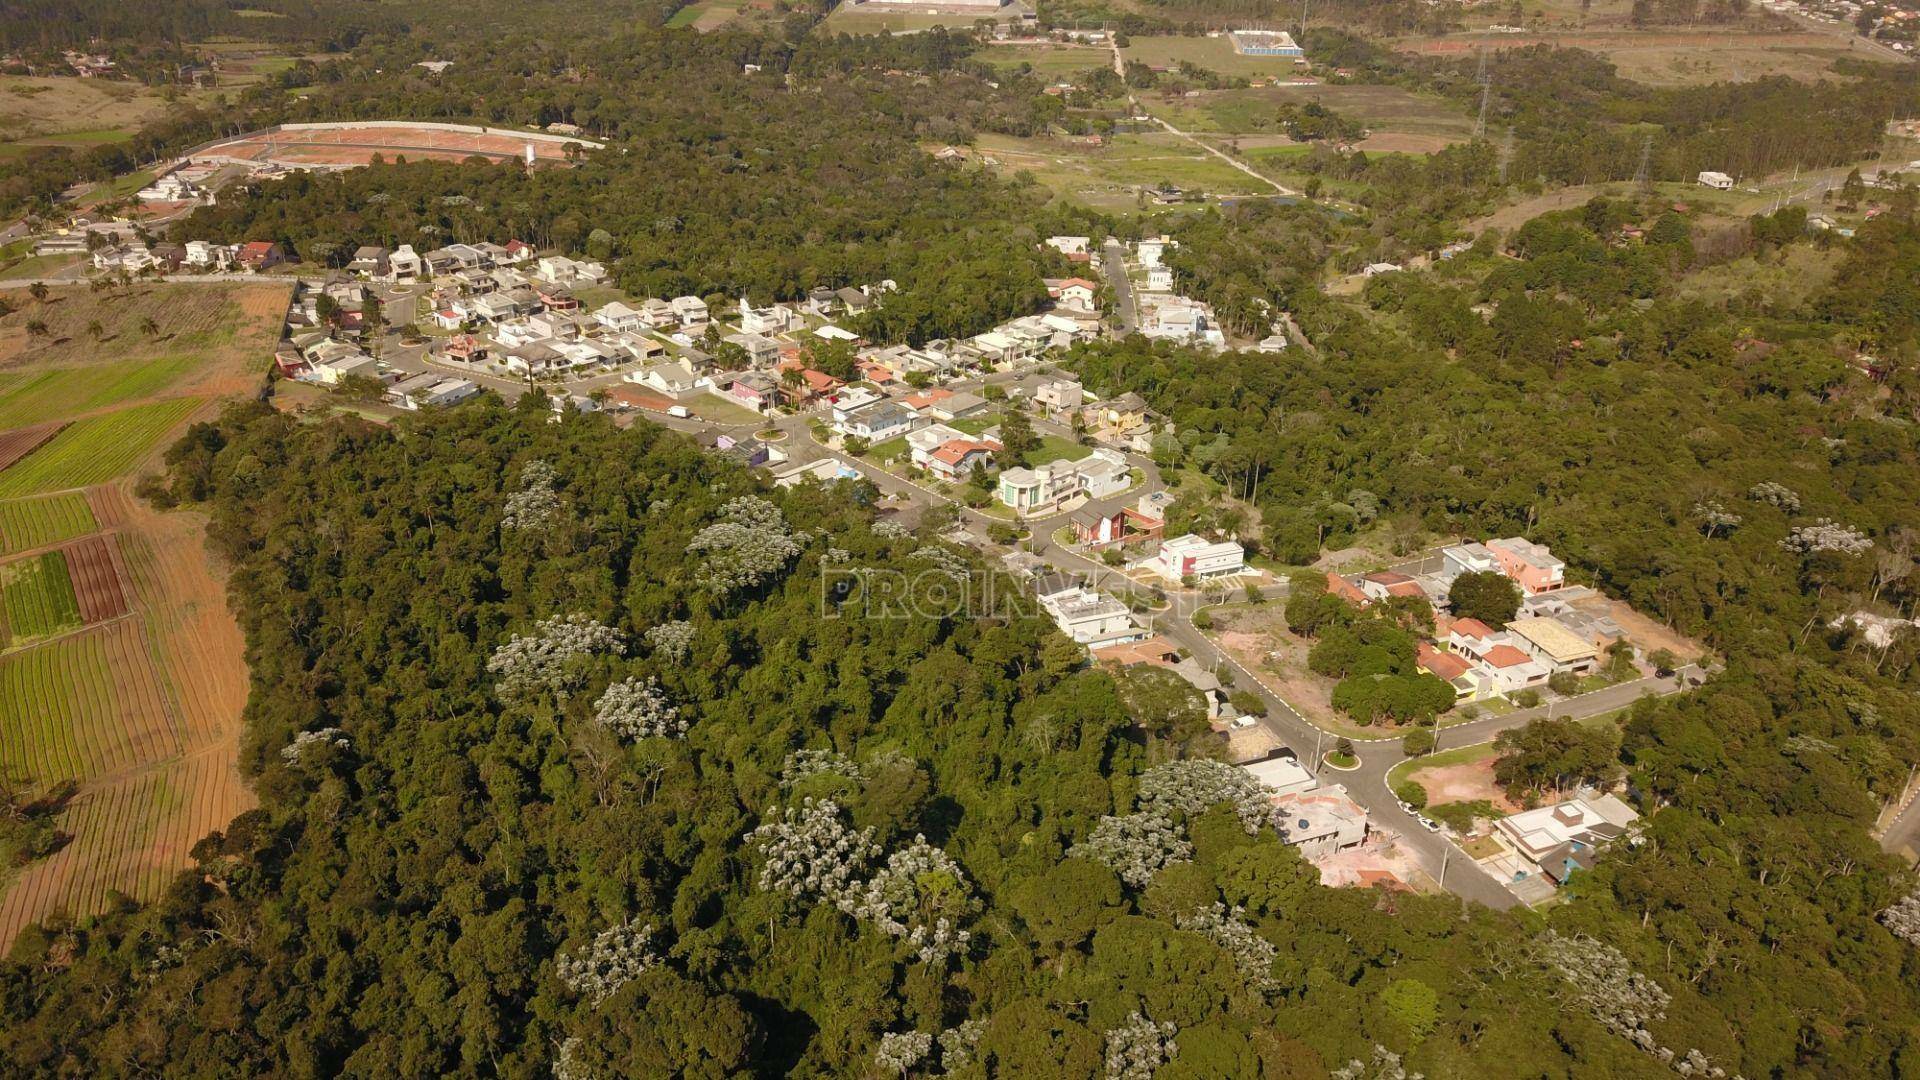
x: 690, y: 310
x: 881, y: 421
x: 1092, y: 618
x: 404, y: 264
x: 924, y: 441
x: 675, y: 377
x: 1718, y: 181
x: 1189, y: 556
x: 620, y: 317
x: 767, y: 320
x: 1045, y: 488
x: 1536, y: 833
x: 1071, y: 245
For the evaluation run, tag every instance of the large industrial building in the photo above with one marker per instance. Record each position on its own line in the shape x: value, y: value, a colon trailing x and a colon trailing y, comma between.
x: 1265, y: 43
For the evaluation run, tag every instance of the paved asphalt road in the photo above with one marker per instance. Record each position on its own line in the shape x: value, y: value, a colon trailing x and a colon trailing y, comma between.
x: 1125, y: 313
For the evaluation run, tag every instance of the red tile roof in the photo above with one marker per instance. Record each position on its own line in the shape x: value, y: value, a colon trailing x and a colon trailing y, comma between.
x: 1504, y: 656
x: 926, y: 397
x: 1445, y: 665
x: 1472, y: 628
x: 1345, y: 590
x: 955, y: 451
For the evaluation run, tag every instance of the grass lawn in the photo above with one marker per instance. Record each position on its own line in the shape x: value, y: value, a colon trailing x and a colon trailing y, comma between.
x: 1466, y: 755
x: 1059, y: 62
x: 41, y: 266
x: 30, y: 523
x: 96, y: 449
x: 708, y: 407
x: 851, y: 18
x: 39, y: 597
x: 1057, y: 448
x: 976, y: 425
x: 1110, y: 178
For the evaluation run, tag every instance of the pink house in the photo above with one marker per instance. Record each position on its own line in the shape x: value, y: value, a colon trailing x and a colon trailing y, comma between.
x: 1529, y: 564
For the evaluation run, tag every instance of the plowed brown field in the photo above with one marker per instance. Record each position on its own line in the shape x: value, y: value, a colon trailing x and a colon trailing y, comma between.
x: 96, y: 578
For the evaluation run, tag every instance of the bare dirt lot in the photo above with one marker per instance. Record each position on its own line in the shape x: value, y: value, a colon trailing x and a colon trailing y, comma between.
x: 1674, y: 57
x: 96, y: 578
x: 20, y: 442
x: 357, y: 145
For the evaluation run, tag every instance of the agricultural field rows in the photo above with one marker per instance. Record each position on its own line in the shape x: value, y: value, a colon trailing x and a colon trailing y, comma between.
x: 66, y: 392
x: 20, y: 442
x: 129, y: 836
x: 82, y: 707
x: 94, y: 450
x: 48, y: 519
x: 38, y: 597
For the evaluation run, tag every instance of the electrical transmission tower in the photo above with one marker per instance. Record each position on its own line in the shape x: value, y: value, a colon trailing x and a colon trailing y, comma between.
x: 1486, y: 92
x: 1643, y: 177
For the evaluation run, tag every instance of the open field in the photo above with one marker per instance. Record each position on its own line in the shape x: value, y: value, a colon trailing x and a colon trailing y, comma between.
x: 1383, y: 109
x: 96, y: 449
x: 349, y: 145
x: 228, y: 330
x: 1214, y: 54
x: 1674, y: 57
x: 1110, y: 177
x: 852, y: 18
x: 1052, y: 61
x: 49, y: 519
x: 98, y: 109
x: 38, y: 597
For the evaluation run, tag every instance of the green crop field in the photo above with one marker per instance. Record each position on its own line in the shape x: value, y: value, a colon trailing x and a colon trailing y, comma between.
x: 94, y: 450
x: 80, y: 706
x: 49, y: 519
x: 59, y: 393
x: 38, y: 595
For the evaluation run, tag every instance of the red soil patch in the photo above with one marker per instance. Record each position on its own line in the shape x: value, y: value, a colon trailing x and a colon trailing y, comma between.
x: 96, y: 578
x: 20, y: 442
x: 1464, y: 783
x: 358, y: 145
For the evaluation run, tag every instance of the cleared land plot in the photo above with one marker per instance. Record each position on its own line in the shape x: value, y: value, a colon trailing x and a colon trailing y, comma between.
x: 1110, y: 177
x: 1051, y: 61
x: 350, y: 145
x: 100, y: 109
x: 49, y: 519
x: 20, y: 442
x: 1674, y: 58
x: 852, y: 18
x: 1214, y: 54
x: 222, y: 336
x: 38, y: 597
x: 1383, y: 109
x: 96, y: 449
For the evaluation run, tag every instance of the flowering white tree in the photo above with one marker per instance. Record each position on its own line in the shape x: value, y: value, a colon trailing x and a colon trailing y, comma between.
x: 1137, y: 1048
x: 566, y: 1060
x: 943, y: 559
x: 920, y: 895
x: 615, y: 957
x: 637, y: 708
x: 749, y: 546
x: 306, y: 740
x: 900, y: 1051
x: 1715, y: 517
x: 1826, y: 535
x: 957, y: 1044
x: 889, y: 529
x: 1903, y: 918
x: 804, y: 763
x: 529, y: 663
x: 536, y: 504
x: 1193, y: 785
x: 1623, y: 1000
x: 1135, y: 846
x: 811, y: 854
x: 1385, y: 1066
x: 1773, y: 494
x: 1252, y: 954
x: 671, y: 640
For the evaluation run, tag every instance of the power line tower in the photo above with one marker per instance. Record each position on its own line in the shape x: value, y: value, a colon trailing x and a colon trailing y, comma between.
x: 1486, y: 93
x: 1506, y: 153
x: 1643, y: 176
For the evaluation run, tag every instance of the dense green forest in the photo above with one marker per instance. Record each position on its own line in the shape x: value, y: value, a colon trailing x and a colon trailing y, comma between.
x: 566, y: 768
